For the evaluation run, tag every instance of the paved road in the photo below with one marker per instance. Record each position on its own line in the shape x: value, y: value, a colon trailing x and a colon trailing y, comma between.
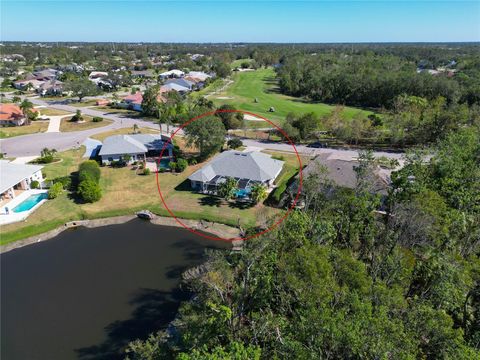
x: 29, y: 145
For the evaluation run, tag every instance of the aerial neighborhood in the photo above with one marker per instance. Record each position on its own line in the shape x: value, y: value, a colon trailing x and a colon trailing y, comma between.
x: 177, y: 181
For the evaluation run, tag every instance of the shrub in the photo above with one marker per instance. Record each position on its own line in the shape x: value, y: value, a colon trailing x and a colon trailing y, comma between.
x: 146, y: 171
x: 193, y: 161
x: 97, y: 119
x: 77, y: 117
x: 89, y: 170
x: 234, y: 143
x: 35, y: 184
x: 55, y: 190
x: 172, y: 165
x: 181, y: 165
x: 89, y: 190
x: 65, y: 181
x: 162, y: 170
x: 278, y: 192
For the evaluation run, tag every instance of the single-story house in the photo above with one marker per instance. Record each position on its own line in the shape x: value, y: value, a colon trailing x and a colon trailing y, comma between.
x: 172, y: 74
x: 17, y: 177
x: 97, y: 75
x: 174, y: 87
x: 182, y: 82
x: 11, y: 114
x: 199, y: 75
x: 340, y: 171
x: 52, y: 87
x: 143, y: 73
x: 247, y: 168
x: 134, y: 101
x: 137, y: 146
x: 22, y: 84
x: 46, y: 74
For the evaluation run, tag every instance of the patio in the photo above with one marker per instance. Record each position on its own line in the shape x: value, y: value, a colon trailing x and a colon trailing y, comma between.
x: 20, y: 197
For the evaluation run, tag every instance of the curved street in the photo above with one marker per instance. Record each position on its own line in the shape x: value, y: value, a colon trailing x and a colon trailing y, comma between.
x: 32, y: 144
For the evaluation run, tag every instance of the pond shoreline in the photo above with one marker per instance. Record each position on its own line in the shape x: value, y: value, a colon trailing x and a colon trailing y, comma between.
x: 220, y: 230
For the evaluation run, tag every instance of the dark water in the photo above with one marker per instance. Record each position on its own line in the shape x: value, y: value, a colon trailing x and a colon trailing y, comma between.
x: 88, y: 292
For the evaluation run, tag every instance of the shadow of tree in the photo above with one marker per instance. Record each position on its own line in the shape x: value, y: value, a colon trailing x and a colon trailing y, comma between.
x: 154, y: 310
x: 210, y: 201
x: 240, y: 205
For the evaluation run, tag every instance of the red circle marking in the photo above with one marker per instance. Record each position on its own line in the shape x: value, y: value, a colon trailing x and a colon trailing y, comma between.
x: 289, y: 210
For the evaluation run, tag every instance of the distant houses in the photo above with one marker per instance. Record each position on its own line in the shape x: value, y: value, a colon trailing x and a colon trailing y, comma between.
x: 44, y: 82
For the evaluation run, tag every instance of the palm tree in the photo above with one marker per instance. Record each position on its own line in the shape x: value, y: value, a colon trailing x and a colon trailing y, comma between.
x: 258, y: 193
x: 227, y: 189
x: 26, y: 106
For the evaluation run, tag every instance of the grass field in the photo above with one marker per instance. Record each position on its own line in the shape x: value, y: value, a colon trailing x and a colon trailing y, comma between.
x: 66, y: 125
x: 125, y: 192
x: 52, y: 112
x: 34, y: 127
x: 123, y: 131
x: 261, y: 84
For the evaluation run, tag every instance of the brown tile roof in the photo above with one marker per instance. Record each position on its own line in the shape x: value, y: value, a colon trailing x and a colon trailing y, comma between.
x: 10, y: 112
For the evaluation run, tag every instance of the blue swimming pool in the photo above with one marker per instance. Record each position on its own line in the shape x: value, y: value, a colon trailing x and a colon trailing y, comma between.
x: 241, y: 193
x: 164, y: 163
x: 30, y: 202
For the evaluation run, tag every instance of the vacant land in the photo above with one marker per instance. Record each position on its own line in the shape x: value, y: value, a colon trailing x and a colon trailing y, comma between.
x: 66, y: 125
x: 34, y: 127
x: 262, y: 85
x: 52, y: 112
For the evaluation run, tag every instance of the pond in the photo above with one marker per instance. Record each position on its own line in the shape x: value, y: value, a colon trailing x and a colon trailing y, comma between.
x: 87, y: 292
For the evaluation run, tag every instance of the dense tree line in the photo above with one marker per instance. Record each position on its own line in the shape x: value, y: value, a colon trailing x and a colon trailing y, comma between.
x: 370, y: 80
x: 339, y: 280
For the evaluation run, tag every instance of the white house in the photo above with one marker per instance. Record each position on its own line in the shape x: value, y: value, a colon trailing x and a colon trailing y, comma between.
x: 15, y: 177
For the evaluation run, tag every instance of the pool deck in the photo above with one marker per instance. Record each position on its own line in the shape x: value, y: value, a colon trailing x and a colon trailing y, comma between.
x: 15, y: 217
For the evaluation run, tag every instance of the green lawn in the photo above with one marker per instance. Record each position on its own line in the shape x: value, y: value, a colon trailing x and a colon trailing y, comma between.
x: 261, y: 84
x: 239, y: 62
x: 34, y: 127
x: 125, y: 192
x: 52, y: 112
x: 66, y: 125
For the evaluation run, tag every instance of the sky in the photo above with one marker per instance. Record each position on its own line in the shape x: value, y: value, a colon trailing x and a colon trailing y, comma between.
x: 240, y: 21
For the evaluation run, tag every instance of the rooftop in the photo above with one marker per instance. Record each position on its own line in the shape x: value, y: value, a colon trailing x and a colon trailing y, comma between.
x: 11, y: 174
x: 251, y: 165
x: 131, y: 144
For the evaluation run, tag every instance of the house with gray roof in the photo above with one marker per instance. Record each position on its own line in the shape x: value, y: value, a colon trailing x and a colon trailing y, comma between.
x: 247, y: 168
x: 136, y: 146
x: 182, y: 82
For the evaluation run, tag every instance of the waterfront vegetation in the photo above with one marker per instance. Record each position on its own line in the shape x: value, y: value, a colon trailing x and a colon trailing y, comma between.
x: 336, y: 272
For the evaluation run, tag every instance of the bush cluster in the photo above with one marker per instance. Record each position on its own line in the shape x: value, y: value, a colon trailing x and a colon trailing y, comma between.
x: 97, y: 119
x: 89, y: 177
x: 55, y: 190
